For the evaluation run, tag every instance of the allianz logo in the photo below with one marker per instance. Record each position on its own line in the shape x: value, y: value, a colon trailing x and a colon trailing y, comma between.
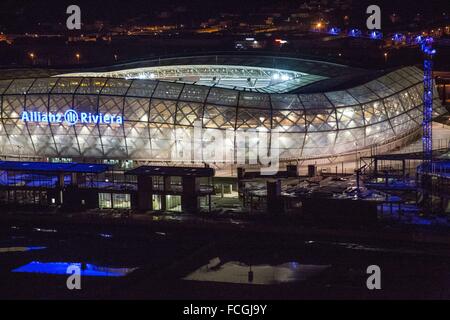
x: 71, y: 117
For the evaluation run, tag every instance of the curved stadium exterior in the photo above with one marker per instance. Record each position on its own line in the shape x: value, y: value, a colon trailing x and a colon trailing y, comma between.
x: 319, y: 109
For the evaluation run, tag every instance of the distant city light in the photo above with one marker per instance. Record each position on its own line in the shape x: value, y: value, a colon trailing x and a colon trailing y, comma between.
x: 281, y: 41
x: 398, y: 37
x: 334, y: 31
x: 355, y: 33
x: 376, y: 35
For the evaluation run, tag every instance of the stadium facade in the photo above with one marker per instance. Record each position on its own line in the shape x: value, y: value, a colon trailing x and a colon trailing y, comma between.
x: 134, y: 112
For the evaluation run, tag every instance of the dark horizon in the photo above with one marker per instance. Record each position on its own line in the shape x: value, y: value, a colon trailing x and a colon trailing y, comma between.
x: 22, y: 15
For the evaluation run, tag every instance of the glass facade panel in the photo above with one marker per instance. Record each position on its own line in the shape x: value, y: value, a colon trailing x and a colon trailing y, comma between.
x: 374, y: 112
x: 166, y: 90
x: 44, y: 85
x: 341, y: 98
x: 4, y: 84
x: 194, y: 93
x: 363, y: 94
x: 350, y: 117
x: 142, y: 88
x: 315, y: 101
x: 254, y: 100
x: 286, y: 102
x: 393, y: 106
x: 289, y: 120
x: 223, y: 97
x: 253, y: 119
x: 136, y: 109
x: 66, y: 85
x: 219, y: 117
x: 188, y: 113
x: 321, y: 119
x: 91, y: 86
x: 379, y: 88
x: 118, y: 87
x: 19, y: 86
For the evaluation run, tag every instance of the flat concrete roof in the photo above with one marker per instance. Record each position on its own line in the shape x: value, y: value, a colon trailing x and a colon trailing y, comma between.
x: 171, y: 171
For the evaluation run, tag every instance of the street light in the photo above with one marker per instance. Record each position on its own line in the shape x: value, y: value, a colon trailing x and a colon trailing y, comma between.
x: 32, y: 56
x: 78, y: 56
x: 385, y: 57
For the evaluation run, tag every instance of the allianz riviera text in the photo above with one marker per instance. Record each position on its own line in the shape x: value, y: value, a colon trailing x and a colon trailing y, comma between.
x: 71, y: 117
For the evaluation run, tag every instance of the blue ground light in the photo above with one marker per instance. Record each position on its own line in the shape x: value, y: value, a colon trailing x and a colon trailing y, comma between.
x: 60, y: 268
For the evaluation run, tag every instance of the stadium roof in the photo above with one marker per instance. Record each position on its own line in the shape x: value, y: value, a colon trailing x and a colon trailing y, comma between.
x: 243, y: 72
x: 265, y: 74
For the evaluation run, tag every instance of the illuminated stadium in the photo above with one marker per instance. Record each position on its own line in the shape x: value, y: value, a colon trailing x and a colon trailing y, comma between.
x: 321, y: 110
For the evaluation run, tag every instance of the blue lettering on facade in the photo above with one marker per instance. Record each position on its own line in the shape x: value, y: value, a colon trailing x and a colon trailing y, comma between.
x: 71, y: 117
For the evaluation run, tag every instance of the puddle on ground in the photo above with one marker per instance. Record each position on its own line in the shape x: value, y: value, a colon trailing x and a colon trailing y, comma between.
x: 61, y: 268
x: 237, y: 272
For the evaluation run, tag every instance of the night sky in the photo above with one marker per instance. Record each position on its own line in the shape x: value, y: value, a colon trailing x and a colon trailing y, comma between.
x: 19, y: 15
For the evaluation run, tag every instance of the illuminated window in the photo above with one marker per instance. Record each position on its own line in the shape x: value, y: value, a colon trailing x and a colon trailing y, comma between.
x: 173, y: 203
x: 156, y: 202
x: 121, y: 201
x: 104, y: 201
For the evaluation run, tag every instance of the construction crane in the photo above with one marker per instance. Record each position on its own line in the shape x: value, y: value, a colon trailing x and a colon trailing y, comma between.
x: 426, y: 45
